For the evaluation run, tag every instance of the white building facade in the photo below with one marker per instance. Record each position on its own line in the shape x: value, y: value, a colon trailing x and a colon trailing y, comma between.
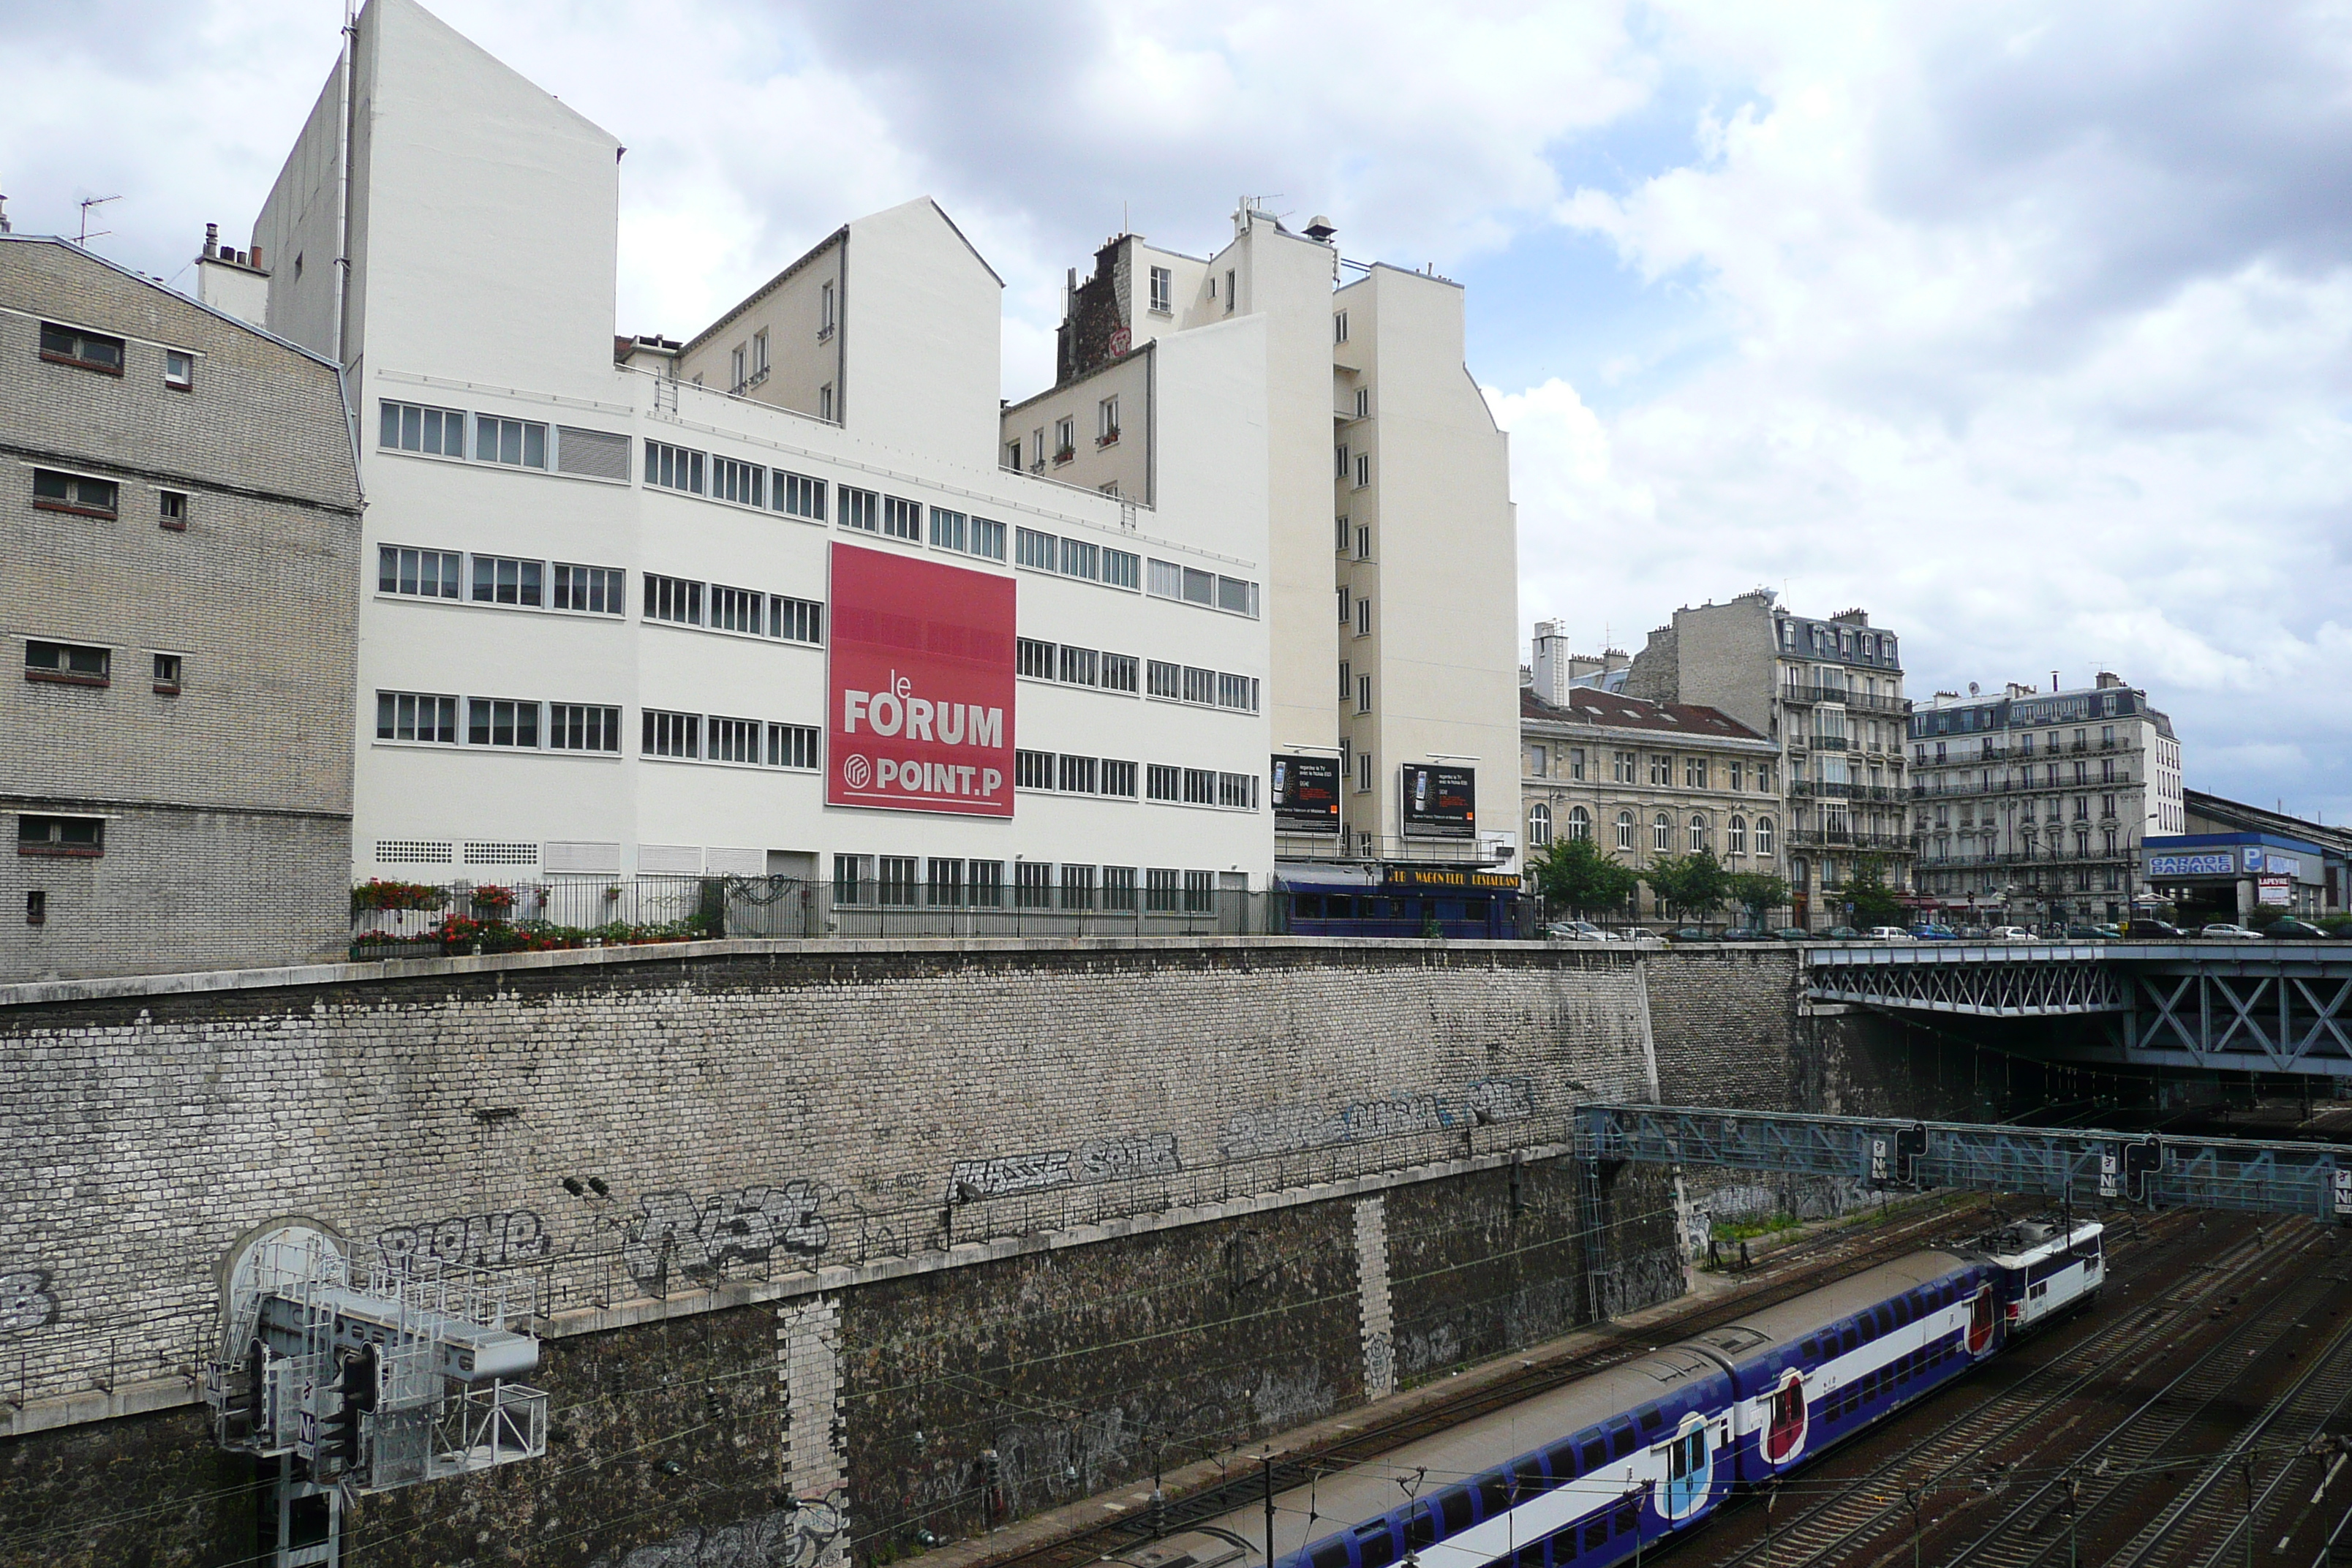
x: 641, y: 608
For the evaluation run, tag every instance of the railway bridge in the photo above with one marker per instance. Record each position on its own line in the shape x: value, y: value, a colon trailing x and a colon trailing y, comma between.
x: 2276, y: 1007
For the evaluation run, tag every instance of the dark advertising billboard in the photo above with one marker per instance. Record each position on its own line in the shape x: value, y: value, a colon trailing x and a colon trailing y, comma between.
x: 1440, y: 801
x: 1305, y: 794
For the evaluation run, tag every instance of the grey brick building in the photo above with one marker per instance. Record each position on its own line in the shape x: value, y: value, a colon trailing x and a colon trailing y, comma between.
x: 179, y: 509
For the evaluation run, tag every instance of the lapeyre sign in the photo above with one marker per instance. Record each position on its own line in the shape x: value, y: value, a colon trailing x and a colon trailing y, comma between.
x: 920, y: 686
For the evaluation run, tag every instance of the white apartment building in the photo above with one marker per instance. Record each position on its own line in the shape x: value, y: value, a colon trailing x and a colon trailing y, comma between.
x: 1392, y: 587
x: 763, y: 601
x: 2031, y: 805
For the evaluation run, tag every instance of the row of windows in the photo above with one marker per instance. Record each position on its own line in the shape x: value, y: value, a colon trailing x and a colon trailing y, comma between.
x: 1067, y: 774
x: 1824, y: 641
x: 905, y: 881
x: 1698, y: 833
x: 436, y: 432
x: 92, y: 664
x: 521, y: 725
x: 1074, y: 666
x: 1076, y: 558
x: 1210, y: 589
x: 681, y: 601
x: 85, y: 495
x: 1663, y: 769
x: 62, y: 344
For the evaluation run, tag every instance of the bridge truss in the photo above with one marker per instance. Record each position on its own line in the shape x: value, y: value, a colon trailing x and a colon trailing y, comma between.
x: 2085, y: 1167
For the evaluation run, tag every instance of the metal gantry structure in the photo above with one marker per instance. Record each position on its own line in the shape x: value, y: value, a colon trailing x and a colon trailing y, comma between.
x: 2080, y: 1166
x: 2283, y: 1007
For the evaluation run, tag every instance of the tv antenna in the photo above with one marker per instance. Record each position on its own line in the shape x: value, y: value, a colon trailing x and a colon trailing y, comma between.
x: 89, y: 202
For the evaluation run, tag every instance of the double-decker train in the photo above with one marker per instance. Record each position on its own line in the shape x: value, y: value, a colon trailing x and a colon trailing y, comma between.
x: 1585, y: 1474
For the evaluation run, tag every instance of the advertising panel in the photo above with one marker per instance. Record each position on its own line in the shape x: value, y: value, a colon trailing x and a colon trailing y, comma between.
x: 2276, y: 890
x: 2216, y: 863
x: 1305, y: 794
x: 918, y: 686
x: 1440, y: 801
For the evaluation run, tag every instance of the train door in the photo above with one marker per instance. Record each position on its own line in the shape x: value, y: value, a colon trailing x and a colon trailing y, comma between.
x: 1784, y: 1424
x: 1690, y: 1471
x: 1981, y: 1320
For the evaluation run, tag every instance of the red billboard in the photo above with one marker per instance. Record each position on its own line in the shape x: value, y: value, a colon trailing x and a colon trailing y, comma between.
x: 920, y: 686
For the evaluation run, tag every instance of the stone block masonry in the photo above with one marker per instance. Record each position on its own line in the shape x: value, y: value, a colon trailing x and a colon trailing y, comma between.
x: 1058, y: 1209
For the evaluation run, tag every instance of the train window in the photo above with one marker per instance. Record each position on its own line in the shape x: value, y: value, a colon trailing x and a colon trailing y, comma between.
x: 1307, y: 906
x: 1330, y: 1554
x: 1596, y: 1535
x: 1812, y: 1350
x: 1596, y: 1454
x: 1420, y: 1526
x: 1560, y: 1458
x: 1650, y: 1418
x: 1883, y: 1319
x: 1629, y: 1516
x: 1852, y: 1336
x: 1375, y: 1547
x: 1528, y: 1473
x: 1494, y: 1494
x: 1622, y: 1441
x: 1531, y: 1555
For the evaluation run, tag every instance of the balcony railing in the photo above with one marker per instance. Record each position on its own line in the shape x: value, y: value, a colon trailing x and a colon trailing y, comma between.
x: 2122, y: 779
x: 1809, y: 695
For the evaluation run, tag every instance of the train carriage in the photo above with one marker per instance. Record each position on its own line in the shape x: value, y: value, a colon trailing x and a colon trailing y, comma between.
x: 2045, y: 1265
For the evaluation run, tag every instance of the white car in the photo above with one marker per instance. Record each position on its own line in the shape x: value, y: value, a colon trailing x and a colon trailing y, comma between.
x: 1887, y: 933
x: 2009, y: 934
x: 1577, y: 931
x: 2228, y: 932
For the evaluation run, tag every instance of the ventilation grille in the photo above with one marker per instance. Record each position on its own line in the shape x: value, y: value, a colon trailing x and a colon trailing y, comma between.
x: 597, y: 454
x: 414, y: 852
x: 675, y: 857
x: 735, y: 862
x: 582, y: 857
x: 479, y: 854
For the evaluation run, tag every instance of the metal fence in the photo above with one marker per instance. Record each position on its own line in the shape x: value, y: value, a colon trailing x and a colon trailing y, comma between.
x: 627, y: 908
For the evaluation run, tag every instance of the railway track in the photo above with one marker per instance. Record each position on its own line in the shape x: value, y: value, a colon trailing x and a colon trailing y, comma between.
x: 1842, y: 1527
x: 1833, y: 1260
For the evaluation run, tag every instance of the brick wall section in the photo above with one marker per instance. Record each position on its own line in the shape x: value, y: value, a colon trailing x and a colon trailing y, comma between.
x: 1724, y: 1022
x: 258, y: 596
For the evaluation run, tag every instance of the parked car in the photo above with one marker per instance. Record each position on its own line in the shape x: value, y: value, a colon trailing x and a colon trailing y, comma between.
x: 1576, y: 930
x: 1887, y: 933
x: 2093, y: 933
x: 1793, y: 933
x: 1744, y: 933
x: 2223, y: 930
x: 1843, y: 934
x: 1931, y: 932
x: 1638, y: 933
x: 2139, y: 929
x: 2293, y: 929
x: 1690, y: 933
x: 2009, y: 934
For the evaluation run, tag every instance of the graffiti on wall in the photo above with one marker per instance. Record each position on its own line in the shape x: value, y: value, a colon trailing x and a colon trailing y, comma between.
x: 1115, y: 1158
x: 1500, y: 1100
x: 741, y: 1224
x: 472, y: 1241
x: 26, y: 1302
x: 795, y: 1537
x: 1289, y: 1129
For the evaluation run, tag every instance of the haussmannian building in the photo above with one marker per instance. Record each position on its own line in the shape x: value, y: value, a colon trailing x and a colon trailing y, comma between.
x: 181, y: 521
x: 2031, y: 806
x: 1829, y: 695
x: 1649, y: 779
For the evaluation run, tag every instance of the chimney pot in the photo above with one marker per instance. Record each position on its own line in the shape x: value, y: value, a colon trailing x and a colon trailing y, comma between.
x: 256, y: 254
x: 211, y: 240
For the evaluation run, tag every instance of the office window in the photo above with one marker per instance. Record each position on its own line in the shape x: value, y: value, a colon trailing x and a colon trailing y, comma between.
x: 1080, y: 666
x: 860, y: 509
x: 1363, y: 541
x: 75, y: 493
x: 1161, y: 782
x: 759, y: 356
x: 1624, y: 766
x: 501, y: 580
x: 1738, y: 773
x: 796, y: 620
x: 427, y: 574
x: 1364, y: 772
x: 1118, y: 778
x: 1236, y: 595
x: 825, y: 322
x: 1164, y: 580
x: 673, y: 468
x: 1363, y: 469
x: 1200, y: 891
x: 1238, y: 791
x: 1163, y: 285
x: 738, y: 610
x: 948, y: 529
x: 1346, y: 681
x: 824, y: 401
x: 1041, y: 551
x: 179, y: 370
x: 902, y: 519
x: 671, y: 734
x: 167, y: 677
x: 1580, y: 822
x: 1034, y: 658
x: 1106, y: 422
x: 1339, y: 461
x: 84, y: 351
x: 1238, y: 692
x: 1065, y: 439
x: 744, y: 483
x: 1339, y: 326
x: 1735, y: 836
x: 518, y: 443
x: 1763, y: 835
x: 792, y: 746
x: 943, y: 883
x: 1364, y: 618
x: 1200, y: 685
x: 1199, y: 787
x: 1165, y: 679
x: 415, y: 716
x: 894, y: 878
x: 64, y: 836
x: 1363, y: 694
x: 987, y: 884
x: 799, y: 496
x: 1539, y: 824
x: 1012, y: 455
x: 1076, y: 775
x: 1339, y: 533
x: 1080, y: 559
x: 1697, y: 829
x: 68, y: 664
x: 987, y: 539
x: 734, y: 739
x: 1662, y: 834
x: 496, y: 722
x: 1159, y: 890
x: 1229, y: 292
x: 1363, y: 402
x: 1119, y: 887
x: 1625, y: 830
x: 595, y: 590
x: 582, y: 727
x: 1343, y: 592
x: 673, y: 599
x: 738, y: 366
x: 1033, y: 885
x: 171, y: 510
x: 1033, y: 770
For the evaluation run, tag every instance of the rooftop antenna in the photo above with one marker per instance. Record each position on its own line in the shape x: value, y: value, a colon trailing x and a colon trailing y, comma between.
x: 93, y: 202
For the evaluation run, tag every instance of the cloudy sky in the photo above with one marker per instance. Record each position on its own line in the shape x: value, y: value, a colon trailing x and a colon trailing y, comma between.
x: 2023, y: 325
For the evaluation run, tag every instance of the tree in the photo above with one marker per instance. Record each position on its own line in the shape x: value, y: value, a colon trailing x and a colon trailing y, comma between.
x: 1688, y: 885
x: 1875, y: 903
x: 1758, y: 893
x: 1573, y: 874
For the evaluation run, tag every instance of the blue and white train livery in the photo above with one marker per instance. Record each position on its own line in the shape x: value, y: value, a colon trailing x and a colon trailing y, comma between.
x: 1653, y: 1445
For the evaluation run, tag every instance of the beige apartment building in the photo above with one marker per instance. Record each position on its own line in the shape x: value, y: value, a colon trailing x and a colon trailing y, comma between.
x: 1392, y: 583
x: 1829, y: 695
x: 1647, y: 779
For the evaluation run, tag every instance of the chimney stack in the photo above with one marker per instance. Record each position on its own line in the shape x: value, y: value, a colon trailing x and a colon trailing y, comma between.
x: 211, y: 240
